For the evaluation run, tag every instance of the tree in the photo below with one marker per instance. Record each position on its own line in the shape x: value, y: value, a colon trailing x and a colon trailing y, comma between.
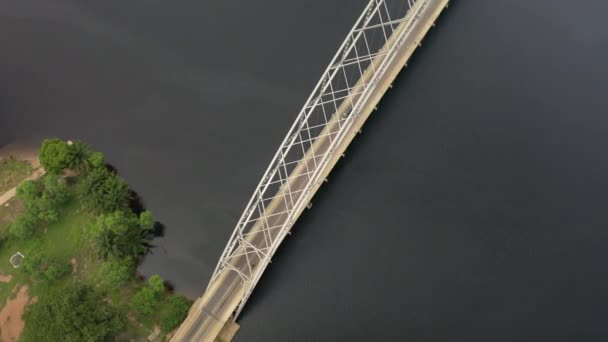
x: 55, y: 190
x: 146, y: 220
x: 28, y: 191
x: 72, y: 314
x: 175, y: 313
x: 97, y: 160
x: 42, y: 199
x: 157, y: 284
x: 54, y: 155
x: 144, y: 301
x: 120, y: 235
x: 43, y: 269
x: 79, y: 156
x: 115, y: 273
x: 102, y: 191
x: 24, y: 226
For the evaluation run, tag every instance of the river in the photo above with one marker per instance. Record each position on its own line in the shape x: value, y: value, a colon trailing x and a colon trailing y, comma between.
x: 472, y: 207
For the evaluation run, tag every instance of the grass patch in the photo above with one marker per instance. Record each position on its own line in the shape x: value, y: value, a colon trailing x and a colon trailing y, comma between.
x: 60, y: 241
x: 12, y: 172
x: 8, y: 213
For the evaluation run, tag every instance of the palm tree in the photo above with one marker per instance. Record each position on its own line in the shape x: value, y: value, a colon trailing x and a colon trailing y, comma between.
x: 102, y: 191
x: 106, y: 245
x: 114, y: 194
x: 79, y: 154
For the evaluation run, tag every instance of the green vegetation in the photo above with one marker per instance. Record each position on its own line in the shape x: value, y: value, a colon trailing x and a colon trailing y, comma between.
x: 174, y: 312
x: 54, y: 155
x: 76, y: 312
x: 42, y: 200
x: 102, y: 191
x: 82, y: 243
x: 120, y: 235
x: 13, y: 171
x: 44, y: 269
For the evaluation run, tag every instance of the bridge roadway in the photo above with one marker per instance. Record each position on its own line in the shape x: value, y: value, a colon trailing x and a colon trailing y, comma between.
x: 214, y: 309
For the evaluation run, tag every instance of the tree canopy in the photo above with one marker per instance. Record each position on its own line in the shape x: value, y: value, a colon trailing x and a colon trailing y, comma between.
x: 54, y: 155
x: 148, y: 297
x: 102, y: 191
x: 44, y: 269
x: 79, y: 154
x: 42, y: 200
x: 145, y: 301
x: 72, y: 314
x: 157, y: 284
x: 114, y: 274
x: 120, y: 235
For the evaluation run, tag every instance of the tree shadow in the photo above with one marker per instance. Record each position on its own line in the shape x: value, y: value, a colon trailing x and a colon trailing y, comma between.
x: 111, y: 168
x: 136, y: 203
x: 158, y: 230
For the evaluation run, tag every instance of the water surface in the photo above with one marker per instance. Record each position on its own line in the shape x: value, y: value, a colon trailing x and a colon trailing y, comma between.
x: 471, y: 208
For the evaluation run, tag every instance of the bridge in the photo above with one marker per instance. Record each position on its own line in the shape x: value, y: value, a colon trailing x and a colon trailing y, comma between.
x: 376, y: 49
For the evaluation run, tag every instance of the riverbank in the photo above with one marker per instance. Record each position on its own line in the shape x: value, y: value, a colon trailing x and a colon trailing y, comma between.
x: 68, y: 258
x: 17, y: 163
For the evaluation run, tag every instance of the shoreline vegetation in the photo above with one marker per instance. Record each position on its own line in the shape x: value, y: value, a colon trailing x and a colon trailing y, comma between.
x: 82, y: 232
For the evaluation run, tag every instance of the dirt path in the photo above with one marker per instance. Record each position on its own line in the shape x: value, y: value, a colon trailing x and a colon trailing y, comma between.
x: 27, y: 153
x: 11, y: 320
x: 6, y: 278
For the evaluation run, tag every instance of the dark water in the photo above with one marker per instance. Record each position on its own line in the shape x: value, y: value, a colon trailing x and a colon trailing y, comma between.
x: 473, y: 207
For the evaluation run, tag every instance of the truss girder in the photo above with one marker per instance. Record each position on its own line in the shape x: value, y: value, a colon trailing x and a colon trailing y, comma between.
x: 318, y: 129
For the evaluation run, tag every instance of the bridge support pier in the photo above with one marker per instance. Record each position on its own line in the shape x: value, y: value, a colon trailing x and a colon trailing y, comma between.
x: 228, y: 332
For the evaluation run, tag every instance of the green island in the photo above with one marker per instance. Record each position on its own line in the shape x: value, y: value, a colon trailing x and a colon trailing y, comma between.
x: 70, y: 243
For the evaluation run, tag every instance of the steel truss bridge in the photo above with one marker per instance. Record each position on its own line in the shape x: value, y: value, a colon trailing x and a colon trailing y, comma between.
x: 373, y: 53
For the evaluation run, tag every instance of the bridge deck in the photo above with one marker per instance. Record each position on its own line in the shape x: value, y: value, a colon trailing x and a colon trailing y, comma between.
x: 210, y: 313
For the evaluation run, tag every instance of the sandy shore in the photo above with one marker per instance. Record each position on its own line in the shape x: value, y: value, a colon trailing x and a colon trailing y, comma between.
x: 28, y: 153
x: 21, y: 152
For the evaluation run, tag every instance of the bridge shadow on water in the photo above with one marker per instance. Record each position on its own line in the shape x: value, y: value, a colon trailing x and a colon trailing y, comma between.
x: 391, y: 99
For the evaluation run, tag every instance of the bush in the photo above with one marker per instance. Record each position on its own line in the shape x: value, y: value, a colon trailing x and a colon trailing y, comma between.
x: 157, y: 284
x: 146, y: 220
x: 97, y: 160
x: 42, y: 269
x: 175, y: 313
x: 145, y: 301
x: 115, y: 274
x: 72, y: 314
x: 28, y: 192
x: 55, y: 190
x: 56, y: 271
x: 24, y: 226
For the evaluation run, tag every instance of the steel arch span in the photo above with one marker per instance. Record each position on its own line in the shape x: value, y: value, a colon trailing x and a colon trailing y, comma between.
x: 374, y: 51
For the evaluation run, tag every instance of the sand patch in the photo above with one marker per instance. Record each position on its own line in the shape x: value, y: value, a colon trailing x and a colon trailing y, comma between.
x: 74, y: 263
x: 6, y: 278
x: 11, y: 320
x: 25, y: 152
